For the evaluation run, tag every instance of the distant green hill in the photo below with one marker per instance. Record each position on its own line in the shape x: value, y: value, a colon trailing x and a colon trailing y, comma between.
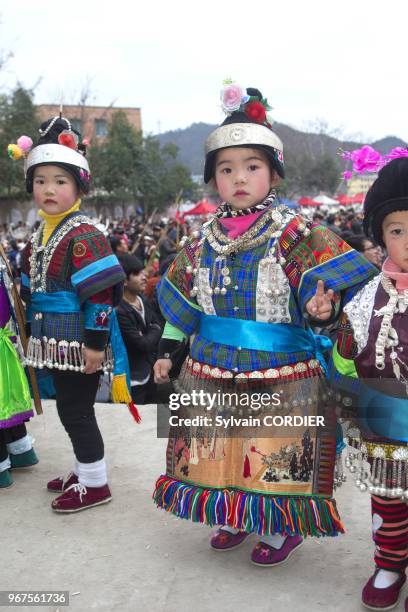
x: 298, y: 145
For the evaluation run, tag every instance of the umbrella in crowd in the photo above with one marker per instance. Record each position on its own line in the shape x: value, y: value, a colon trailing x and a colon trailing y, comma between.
x: 204, y: 207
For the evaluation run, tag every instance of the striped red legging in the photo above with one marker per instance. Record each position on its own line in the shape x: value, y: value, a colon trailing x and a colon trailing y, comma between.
x: 390, y: 533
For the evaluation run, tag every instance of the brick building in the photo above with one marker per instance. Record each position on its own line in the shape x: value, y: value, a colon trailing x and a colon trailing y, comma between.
x: 91, y: 121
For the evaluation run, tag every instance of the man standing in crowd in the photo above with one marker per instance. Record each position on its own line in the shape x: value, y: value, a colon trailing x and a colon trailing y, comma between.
x: 141, y: 330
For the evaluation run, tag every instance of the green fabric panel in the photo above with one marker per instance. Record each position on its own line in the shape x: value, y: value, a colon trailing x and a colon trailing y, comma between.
x: 171, y: 332
x: 344, y: 366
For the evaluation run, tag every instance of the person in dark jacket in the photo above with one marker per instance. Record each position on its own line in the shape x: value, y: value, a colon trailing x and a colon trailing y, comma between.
x: 141, y: 330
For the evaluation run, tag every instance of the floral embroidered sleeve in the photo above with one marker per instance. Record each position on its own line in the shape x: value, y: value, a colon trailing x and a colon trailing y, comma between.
x: 314, y: 253
x: 97, y: 278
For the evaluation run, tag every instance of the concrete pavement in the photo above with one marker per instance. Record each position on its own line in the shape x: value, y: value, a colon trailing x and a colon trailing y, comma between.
x: 130, y: 556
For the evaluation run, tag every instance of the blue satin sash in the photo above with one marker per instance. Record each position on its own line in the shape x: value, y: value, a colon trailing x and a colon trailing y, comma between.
x: 59, y: 302
x: 260, y: 336
x: 62, y: 302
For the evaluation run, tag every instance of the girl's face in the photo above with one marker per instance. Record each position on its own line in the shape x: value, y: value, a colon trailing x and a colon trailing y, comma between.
x: 243, y: 176
x: 395, y: 236
x: 55, y: 190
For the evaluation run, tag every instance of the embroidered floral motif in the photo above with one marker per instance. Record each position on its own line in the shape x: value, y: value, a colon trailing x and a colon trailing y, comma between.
x: 79, y: 249
x: 102, y: 317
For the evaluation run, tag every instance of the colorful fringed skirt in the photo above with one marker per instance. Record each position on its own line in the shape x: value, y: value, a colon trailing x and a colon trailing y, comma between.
x: 244, y: 462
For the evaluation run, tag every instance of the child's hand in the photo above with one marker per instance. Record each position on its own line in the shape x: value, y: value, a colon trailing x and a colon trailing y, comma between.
x: 93, y: 360
x: 161, y: 370
x: 320, y: 305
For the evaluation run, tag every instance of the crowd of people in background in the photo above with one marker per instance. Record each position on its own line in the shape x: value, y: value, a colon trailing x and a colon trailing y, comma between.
x: 146, y: 250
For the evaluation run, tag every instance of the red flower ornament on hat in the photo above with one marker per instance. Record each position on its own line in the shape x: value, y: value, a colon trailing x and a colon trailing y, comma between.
x: 67, y: 138
x: 256, y: 111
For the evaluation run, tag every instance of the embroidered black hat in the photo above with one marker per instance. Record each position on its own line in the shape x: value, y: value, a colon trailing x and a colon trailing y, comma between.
x: 388, y: 194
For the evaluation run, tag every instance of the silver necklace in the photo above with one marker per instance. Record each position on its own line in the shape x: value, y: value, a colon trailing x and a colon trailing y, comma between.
x: 224, y: 245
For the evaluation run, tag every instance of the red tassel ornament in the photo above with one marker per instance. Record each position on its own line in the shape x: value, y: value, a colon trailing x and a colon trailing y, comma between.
x: 134, y: 412
x: 247, y: 467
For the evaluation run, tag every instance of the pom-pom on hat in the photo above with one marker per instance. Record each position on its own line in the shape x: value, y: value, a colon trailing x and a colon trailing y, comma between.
x: 246, y: 125
x: 388, y: 194
x: 59, y: 145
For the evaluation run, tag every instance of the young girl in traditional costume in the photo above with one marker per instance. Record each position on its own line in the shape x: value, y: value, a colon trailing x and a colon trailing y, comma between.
x: 247, y: 290
x: 71, y: 282
x: 16, y: 449
x: 371, y: 363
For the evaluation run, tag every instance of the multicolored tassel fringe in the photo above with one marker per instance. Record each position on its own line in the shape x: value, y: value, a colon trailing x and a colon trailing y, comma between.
x: 251, y: 512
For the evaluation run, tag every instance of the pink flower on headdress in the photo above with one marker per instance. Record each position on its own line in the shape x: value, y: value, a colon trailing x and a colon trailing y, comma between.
x: 365, y: 159
x: 25, y: 143
x: 231, y: 97
x: 397, y: 152
x: 347, y: 175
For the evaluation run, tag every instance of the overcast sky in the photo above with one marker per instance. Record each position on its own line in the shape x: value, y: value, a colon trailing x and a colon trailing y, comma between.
x: 342, y: 62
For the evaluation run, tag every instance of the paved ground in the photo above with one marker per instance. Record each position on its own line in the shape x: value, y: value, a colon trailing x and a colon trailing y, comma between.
x: 129, y: 556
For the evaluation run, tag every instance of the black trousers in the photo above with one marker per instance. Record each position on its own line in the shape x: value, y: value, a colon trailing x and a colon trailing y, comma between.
x: 76, y: 394
x: 11, y: 434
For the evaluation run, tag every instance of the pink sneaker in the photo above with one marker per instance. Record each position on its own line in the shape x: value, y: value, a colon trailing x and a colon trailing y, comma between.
x: 225, y: 540
x: 78, y: 497
x: 62, y: 483
x: 267, y: 556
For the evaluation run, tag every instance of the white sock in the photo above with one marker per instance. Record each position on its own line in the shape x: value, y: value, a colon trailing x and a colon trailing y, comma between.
x: 276, y: 540
x: 18, y: 447
x: 385, y: 578
x: 232, y: 530
x: 76, y: 467
x: 92, y: 474
x: 5, y: 465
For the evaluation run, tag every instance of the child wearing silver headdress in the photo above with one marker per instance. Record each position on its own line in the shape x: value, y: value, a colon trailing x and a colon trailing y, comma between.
x: 247, y: 290
x: 370, y: 364
x: 71, y: 282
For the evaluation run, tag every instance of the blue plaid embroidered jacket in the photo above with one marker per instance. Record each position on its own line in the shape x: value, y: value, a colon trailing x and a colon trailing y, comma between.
x: 310, y: 255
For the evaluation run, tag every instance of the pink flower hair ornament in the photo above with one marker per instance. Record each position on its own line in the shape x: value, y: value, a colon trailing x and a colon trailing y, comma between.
x: 235, y: 98
x: 367, y: 160
x: 21, y: 149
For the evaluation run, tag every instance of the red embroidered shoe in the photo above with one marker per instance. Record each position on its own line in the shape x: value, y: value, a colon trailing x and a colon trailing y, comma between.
x: 225, y: 540
x: 382, y: 599
x: 62, y: 483
x: 268, y: 556
x: 78, y: 497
